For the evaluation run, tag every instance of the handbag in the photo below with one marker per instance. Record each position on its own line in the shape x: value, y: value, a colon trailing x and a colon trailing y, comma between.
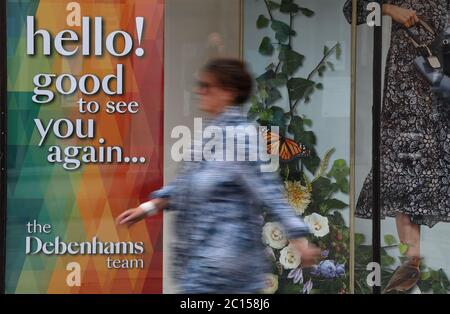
x: 438, y: 52
x: 433, y: 61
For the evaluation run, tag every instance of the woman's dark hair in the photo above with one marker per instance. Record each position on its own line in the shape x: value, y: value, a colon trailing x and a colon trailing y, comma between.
x: 232, y: 74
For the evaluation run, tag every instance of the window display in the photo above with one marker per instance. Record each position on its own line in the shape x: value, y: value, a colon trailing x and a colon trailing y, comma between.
x: 303, y: 87
x: 350, y: 93
x: 415, y: 137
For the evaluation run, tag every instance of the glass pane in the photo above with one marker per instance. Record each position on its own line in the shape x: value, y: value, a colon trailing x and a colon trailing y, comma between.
x: 196, y: 31
x: 415, y: 160
x: 413, y: 156
x: 363, y: 145
x: 301, y: 58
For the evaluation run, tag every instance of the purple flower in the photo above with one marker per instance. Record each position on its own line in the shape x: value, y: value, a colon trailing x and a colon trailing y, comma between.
x: 297, y: 275
x: 325, y: 253
x: 315, y: 270
x: 340, y: 270
x: 308, y: 287
x: 327, y: 269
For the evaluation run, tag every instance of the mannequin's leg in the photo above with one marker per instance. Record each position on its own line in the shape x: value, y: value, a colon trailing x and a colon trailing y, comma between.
x: 409, y: 233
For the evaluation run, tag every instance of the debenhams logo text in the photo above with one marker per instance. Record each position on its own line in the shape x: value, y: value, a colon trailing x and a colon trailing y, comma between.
x: 35, y: 245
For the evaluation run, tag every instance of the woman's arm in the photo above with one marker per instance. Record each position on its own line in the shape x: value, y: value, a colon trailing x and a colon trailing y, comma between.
x: 268, y: 189
x: 147, y: 209
x: 160, y: 200
x: 400, y: 15
x: 406, y: 17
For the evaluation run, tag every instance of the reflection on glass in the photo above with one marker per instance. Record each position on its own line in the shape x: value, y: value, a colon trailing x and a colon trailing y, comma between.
x: 415, y: 155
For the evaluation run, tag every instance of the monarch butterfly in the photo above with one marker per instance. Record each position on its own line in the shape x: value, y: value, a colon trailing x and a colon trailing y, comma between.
x: 287, y: 148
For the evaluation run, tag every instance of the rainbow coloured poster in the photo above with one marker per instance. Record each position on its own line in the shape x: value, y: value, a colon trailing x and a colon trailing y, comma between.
x: 85, y: 142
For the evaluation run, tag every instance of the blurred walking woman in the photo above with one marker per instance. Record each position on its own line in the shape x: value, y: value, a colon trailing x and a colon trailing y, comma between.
x: 218, y: 247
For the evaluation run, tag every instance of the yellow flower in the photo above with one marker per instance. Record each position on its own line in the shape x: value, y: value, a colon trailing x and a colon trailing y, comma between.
x: 299, y: 196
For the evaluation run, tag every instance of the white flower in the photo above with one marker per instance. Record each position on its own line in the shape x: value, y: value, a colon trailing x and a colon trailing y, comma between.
x: 290, y: 257
x: 274, y: 235
x: 271, y: 284
x: 318, y: 224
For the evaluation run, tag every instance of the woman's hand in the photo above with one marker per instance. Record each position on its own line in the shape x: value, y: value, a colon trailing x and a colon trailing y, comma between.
x: 400, y: 15
x: 310, y: 254
x: 131, y: 216
x: 134, y: 215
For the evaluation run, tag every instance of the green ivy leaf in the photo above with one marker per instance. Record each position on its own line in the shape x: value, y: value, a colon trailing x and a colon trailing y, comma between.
x: 339, y: 170
x: 280, y: 80
x: 389, y: 239
x: 308, y: 138
x: 266, y: 48
x: 274, y: 116
x: 444, y: 279
x: 403, y: 248
x: 296, y: 126
x: 255, y: 110
x: 291, y: 60
x: 288, y: 6
x: 266, y: 78
x: 312, y: 162
x: 335, y: 204
x: 271, y: 66
x: 425, y: 275
x: 282, y: 30
x: 262, y: 22
x: 321, y: 70
x: 307, y: 12
x: 338, y: 51
x: 336, y: 219
x: 387, y: 260
x: 298, y: 87
x: 437, y: 288
x: 343, y: 185
x: 273, y: 5
x: 273, y: 95
x: 263, y: 93
x: 321, y: 189
x: 254, y: 100
x: 359, y: 238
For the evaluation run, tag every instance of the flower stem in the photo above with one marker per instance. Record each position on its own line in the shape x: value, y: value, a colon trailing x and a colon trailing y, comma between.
x: 268, y: 9
x: 324, y: 59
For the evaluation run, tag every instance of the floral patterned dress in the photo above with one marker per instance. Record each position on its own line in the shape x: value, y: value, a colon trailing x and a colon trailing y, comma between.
x: 415, y: 134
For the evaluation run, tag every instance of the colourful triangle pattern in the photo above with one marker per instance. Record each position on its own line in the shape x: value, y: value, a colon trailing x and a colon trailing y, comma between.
x: 83, y: 204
